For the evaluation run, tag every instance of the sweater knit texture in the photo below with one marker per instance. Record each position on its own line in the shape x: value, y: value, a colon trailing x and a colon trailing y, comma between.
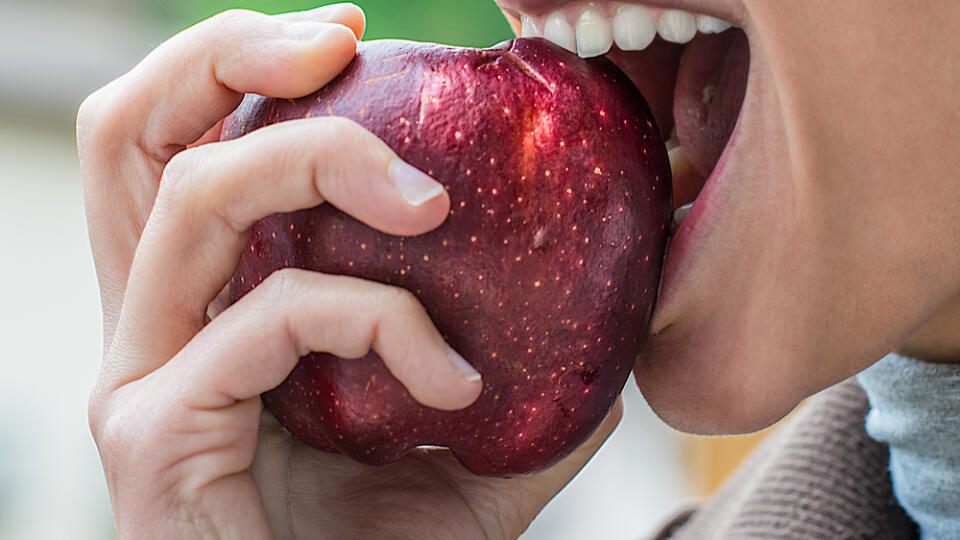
x: 819, y: 476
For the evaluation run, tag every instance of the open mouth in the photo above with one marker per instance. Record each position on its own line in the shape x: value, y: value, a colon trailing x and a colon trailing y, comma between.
x: 691, y: 68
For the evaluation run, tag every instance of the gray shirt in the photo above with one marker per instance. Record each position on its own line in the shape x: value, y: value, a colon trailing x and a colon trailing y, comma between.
x: 818, y: 476
x: 915, y: 410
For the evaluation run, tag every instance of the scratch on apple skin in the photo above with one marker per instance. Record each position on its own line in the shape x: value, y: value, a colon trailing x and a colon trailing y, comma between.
x: 421, y: 108
x: 387, y: 76
x: 392, y: 58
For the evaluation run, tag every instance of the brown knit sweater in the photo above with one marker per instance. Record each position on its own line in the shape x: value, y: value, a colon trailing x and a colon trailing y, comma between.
x: 818, y: 477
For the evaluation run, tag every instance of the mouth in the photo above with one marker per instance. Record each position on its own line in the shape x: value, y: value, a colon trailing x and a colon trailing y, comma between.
x: 692, y: 68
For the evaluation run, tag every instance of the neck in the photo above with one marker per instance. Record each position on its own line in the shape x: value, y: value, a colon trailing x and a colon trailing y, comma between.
x: 938, y: 340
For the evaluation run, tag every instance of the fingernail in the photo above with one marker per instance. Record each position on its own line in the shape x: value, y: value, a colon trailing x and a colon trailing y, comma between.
x: 464, y: 367
x: 416, y: 187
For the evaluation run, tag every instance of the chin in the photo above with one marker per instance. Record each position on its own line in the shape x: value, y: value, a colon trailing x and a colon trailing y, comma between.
x: 714, y: 386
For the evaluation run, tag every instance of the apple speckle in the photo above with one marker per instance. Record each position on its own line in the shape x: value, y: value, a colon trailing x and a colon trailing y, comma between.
x: 557, y: 372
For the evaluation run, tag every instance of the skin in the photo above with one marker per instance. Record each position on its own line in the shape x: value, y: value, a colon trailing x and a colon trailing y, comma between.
x: 835, y: 237
x: 837, y: 244
x: 176, y: 413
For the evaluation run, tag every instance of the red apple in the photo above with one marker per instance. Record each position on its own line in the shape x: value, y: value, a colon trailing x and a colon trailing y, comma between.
x: 543, y: 276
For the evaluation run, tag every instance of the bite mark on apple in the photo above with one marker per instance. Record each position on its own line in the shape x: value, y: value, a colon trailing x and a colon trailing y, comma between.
x: 525, y: 67
x: 529, y: 70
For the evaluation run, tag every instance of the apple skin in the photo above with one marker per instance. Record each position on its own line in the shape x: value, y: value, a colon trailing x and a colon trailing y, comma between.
x: 543, y: 276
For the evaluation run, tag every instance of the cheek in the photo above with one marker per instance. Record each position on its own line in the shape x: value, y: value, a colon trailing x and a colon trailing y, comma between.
x: 874, y: 172
x: 873, y: 144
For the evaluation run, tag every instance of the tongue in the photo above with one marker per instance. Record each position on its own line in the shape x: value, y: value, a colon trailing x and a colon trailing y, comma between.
x: 711, y: 82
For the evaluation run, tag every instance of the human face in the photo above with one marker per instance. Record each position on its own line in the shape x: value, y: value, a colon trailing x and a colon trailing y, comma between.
x: 828, y: 233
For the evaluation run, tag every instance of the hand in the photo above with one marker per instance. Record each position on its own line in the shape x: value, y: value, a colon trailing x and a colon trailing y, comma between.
x: 176, y: 411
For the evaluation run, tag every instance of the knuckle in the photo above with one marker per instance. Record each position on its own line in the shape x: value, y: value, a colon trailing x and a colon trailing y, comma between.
x: 233, y: 19
x: 330, y: 135
x: 134, y: 423
x: 115, y: 432
x: 338, y: 133
x: 178, y: 167
x: 286, y: 287
x: 98, y: 122
x: 195, y: 184
x: 223, y: 29
x: 95, y: 415
x: 111, y: 433
x: 176, y: 189
x: 325, y: 148
x: 87, y: 112
x: 346, y: 149
x: 337, y: 127
x: 403, y: 301
x: 282, y: 283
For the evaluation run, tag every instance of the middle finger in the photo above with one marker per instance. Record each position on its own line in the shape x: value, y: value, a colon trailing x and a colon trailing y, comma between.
x: 211, y: 195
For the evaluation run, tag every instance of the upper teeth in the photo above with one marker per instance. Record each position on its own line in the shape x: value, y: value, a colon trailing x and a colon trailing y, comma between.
x: 677, y: 26
x: 634, y: 27
x: 711, y: 25
x: 588, y: 30
x: 559, y: 31
x: 594, y: 34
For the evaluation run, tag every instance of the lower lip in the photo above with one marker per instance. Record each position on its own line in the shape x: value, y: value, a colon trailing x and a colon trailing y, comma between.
x: 693, y: 232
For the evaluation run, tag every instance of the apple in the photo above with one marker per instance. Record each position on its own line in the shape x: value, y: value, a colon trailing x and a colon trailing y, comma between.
x: 543, y: 276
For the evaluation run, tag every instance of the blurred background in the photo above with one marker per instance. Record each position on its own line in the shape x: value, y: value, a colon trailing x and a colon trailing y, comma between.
x: 52, y: 54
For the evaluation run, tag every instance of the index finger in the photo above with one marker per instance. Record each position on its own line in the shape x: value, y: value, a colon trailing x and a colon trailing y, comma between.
x: 185, y: 86
x: 127, y: 131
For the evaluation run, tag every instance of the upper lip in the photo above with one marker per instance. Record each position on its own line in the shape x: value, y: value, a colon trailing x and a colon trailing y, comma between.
x: 728, y: 10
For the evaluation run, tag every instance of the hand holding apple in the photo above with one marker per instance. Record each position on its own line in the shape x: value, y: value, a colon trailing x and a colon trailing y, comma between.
x: 543, y: 276
x: 176, y: 412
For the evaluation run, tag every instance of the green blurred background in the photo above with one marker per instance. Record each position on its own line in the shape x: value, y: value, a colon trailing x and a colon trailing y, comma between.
x: 475, y: 23
x: 53, y: 53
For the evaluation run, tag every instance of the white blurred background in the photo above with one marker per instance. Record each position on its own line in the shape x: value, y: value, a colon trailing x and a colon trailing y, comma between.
x: 52, y: 54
